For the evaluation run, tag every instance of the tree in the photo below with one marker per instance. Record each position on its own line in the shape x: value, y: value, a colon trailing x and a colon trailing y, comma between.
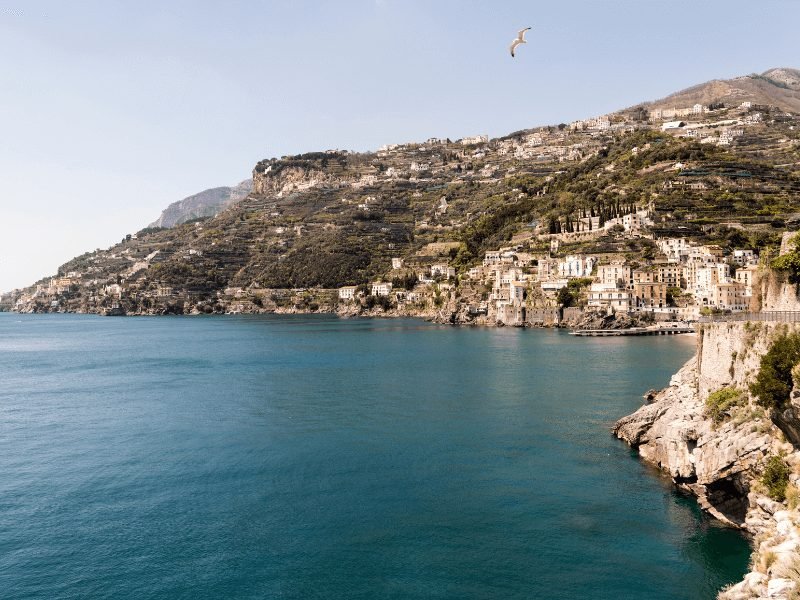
x: 565, y: 297
x: 774, y: 382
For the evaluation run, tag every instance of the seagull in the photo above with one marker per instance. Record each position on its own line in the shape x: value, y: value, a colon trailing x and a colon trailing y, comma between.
x: 520, y: 39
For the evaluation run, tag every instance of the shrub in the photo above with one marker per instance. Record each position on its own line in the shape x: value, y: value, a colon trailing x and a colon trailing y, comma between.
x: 790, y: 262
x: 774, y: 380
x: 719, y: 403
x: 792, y: 497
x: 776, y: 478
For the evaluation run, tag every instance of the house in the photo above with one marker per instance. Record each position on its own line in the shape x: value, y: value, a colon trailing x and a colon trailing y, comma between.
x: 397, y: 263
x: 547, y: 269
x: 743, y: 257
x: 517, y: 290
x: 476, y: 273
x: 669, y: 273
x: 675, y: 249
x: 503, y: 277
x: 381, y: 288
x: 442, y: 270
x: 114, y: 290
x: 746, y: 276
x: 635, y: 220
x: 649, y: 295
x: 59, y: 285
x: 607, y: 296
x: 645, y: 276
x: 553, y: 285
x: 347, y: 292
x: 576, y: 266
x: 672, y: 125
x: 730, y: 296
x: 617, y: 274
x: 475, y: 139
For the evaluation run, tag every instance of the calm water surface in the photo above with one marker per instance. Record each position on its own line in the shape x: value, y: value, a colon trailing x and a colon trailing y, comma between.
x: 310, y: 457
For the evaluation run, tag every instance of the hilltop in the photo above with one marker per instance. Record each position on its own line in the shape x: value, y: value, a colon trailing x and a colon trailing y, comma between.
x: 776, y: 87
x: 420, y: 214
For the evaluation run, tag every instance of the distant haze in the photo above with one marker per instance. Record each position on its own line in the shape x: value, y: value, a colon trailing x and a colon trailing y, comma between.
x: 110, y: 111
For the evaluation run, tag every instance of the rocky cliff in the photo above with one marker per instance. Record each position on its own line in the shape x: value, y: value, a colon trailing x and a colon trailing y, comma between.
x: 720, y: 458
x: 207, y: 203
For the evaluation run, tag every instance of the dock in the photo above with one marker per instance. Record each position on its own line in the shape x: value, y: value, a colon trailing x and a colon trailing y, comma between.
x: 658, y: 330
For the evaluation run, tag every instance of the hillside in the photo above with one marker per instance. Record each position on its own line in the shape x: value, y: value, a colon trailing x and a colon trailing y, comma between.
x: 729, y: 175
x: 205, y: 204
x: 776, y: 87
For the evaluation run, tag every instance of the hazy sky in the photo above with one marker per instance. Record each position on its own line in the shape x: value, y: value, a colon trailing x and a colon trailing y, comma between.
x: 109, y: 111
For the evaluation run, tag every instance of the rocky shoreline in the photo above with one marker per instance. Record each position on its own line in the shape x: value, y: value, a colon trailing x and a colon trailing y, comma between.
x: 721, y: 462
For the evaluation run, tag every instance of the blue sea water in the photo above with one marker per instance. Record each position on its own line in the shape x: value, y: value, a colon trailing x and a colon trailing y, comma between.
x: 312, y: 457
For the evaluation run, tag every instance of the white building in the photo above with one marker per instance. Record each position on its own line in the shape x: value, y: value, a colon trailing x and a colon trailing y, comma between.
x: 675, y: 249
x: 492, y: 257
x: 442, y: 270
x: 397, y: 263
x: 617, y: 274
x: 381, y: 288
x: 605, y: 296
x: 347, y: 292
x: 475, y: 139
x: 744, y: 257
x: 553, y: 285
x: 635, y: 220
x: 576, y: 266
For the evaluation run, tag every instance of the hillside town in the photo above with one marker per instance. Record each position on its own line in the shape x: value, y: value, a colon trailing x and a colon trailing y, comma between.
x: 650, y: 214
x: 512, y: 286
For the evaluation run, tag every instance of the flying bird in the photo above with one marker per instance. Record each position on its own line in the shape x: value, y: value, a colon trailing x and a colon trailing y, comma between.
x: 520, y: 39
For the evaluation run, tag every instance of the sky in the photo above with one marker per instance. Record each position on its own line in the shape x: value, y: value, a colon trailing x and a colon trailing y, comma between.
x: 112, y: 110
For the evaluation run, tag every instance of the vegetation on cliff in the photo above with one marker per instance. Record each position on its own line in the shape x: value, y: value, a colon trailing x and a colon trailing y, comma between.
x: 774, y: 381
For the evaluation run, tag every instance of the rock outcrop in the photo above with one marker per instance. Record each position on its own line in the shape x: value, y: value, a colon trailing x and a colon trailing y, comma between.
x: 720, y: 462
x: 207, y: 203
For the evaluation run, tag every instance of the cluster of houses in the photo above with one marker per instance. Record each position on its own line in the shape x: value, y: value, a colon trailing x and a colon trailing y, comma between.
x: 686, y: 280
x: 721, y: 132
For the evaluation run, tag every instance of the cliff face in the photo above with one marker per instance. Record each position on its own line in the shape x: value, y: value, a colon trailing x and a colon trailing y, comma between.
x: 721, y: 463
x: 279, y: 177
x: 775, y: 293
x: 205, y: 204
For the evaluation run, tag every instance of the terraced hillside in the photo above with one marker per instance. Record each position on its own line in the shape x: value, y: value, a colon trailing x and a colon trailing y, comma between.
x: 328, y: 219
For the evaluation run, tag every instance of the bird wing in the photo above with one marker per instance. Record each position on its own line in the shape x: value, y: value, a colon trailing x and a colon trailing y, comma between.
x: 521, y: 34
x: 514, y: 44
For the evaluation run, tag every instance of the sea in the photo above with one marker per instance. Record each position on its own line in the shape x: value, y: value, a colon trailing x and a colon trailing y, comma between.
x: 305, y: 457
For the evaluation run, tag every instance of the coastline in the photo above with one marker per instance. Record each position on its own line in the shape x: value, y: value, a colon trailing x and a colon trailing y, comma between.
x: 721, y: 463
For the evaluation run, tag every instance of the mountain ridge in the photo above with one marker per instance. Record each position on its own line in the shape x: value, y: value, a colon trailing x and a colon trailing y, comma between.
x: 203, y: 204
